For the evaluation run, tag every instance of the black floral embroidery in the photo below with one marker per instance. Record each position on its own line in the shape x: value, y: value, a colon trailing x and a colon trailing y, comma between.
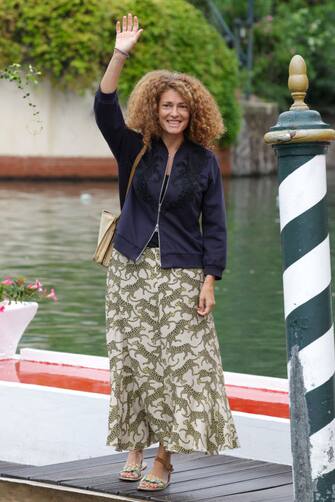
x: 184, y: 181
x: 147, y: 175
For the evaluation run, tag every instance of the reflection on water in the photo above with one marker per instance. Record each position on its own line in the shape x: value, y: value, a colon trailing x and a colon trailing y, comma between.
x: 48, y: 231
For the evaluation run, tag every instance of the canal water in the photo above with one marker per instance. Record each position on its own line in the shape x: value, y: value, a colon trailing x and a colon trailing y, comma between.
x: 48, y: 231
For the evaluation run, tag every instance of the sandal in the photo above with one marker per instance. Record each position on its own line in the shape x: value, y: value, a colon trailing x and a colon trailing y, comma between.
x: 136, y: 469
x: 158, y: 484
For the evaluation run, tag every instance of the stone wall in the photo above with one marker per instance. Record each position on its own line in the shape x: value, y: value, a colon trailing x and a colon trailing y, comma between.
x: 250, y: 155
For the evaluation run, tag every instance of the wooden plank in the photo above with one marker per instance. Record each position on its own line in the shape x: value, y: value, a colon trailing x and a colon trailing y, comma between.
x: 78, y: 464
x: 180, y: 484
x: 9, y: 468
x: 4, y: 463
x: 179, y: 476
x: 206, y: 488
x: 89, y: 474
x: 279, y: 494
x: 61, y: 467
x: 240, y: 487
x: 197, y: 472
x: 65, y: 467
x: 101, y: 476
x: 111, y: 463
x: 184, y: 462
x: 197, y: 477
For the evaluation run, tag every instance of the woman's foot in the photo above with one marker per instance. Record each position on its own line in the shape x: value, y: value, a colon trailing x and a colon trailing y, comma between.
x: 159, y: 472
x: 132, y: 471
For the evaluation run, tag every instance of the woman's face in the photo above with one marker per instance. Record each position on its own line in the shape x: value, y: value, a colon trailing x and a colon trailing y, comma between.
x: 173, y: 112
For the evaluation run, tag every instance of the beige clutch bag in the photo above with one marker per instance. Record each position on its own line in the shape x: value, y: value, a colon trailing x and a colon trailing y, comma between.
x: 107, y: 229
x: 108, y: 222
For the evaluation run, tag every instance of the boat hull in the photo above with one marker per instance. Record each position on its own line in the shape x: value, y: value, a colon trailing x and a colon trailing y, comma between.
x: 55, y: 409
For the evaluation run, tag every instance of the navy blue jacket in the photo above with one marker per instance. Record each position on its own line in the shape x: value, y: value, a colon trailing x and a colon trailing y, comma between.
x: 194, y: 192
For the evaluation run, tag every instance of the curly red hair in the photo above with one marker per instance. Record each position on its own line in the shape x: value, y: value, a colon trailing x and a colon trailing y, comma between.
x: 206, y: 124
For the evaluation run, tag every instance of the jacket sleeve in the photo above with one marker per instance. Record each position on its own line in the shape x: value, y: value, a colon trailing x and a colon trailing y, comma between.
x: 123, y: 142
x: 214, y: 224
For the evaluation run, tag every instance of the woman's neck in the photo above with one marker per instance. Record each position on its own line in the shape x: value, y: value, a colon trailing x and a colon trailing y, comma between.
x: 172, y: 141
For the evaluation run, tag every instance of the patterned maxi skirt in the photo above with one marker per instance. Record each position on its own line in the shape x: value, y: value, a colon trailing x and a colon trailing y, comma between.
x: 167, y: 382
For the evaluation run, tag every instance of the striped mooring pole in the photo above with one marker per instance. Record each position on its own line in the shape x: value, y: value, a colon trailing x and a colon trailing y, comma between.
x: 300, y: 139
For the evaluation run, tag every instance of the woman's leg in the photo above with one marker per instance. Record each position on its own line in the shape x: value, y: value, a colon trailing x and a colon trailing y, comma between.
x: 130, y: 325
x: 134, y: 457
x: 158, y: 470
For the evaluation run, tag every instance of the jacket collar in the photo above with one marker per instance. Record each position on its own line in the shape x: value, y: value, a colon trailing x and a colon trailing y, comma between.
x: 185, y: 145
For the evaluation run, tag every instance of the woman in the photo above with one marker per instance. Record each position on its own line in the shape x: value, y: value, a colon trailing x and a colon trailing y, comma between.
x: 166, y: 371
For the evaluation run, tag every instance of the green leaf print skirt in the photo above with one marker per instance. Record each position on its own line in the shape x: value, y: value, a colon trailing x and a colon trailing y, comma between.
x: 167, y: 382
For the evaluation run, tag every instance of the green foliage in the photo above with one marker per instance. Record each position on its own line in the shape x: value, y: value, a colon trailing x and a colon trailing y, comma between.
x: 308, y: 31
x: 72, y: 42
x: 231, y: 10
x: 24, y: 78
x: 64, y: 38
x: 284, y: 28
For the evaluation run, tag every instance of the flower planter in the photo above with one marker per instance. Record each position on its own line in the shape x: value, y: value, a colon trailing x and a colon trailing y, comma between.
x: 13, y: 322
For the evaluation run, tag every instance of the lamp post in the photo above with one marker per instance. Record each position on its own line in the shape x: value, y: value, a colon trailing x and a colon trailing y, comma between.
x: 300, y: 139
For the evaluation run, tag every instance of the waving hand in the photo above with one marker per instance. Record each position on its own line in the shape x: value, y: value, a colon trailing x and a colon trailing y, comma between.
x: 128, y: 35
x: 126, y: 39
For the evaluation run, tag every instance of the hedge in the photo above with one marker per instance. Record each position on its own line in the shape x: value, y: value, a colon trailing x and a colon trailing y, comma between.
x: 71, y: 42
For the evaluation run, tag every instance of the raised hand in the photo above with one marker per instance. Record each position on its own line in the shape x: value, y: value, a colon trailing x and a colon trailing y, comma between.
x: 127, y: 37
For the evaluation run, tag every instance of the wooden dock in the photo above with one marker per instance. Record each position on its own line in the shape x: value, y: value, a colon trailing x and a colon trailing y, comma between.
x: 196, y: 477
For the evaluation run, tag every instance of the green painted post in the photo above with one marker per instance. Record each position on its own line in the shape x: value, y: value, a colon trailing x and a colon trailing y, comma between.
x: 300, y: 139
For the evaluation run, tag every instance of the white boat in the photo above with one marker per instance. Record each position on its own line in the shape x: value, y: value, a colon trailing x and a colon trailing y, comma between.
x: 54, y: 408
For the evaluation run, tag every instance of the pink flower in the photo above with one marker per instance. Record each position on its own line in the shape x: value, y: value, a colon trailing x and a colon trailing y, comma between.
x: 7, y: 282
x: 37, y: 285
x: 2, y: 309
x: 52, y: 295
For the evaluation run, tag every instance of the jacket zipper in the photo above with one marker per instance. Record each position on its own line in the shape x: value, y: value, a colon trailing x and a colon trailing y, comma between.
x: 156, y: 226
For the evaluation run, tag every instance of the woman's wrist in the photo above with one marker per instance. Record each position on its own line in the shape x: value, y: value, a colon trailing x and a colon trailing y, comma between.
x: 121, y: 52
x: 209, y: 279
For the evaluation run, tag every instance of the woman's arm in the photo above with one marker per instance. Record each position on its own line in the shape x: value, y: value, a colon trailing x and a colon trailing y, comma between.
x: 214, y: 238
x: 214, y: 224
x: 123, y: 142
x: 107, y: 110
x: 125, y: 41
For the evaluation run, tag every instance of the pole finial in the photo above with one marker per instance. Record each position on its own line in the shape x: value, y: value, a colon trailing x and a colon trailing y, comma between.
x: 298, y: 82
